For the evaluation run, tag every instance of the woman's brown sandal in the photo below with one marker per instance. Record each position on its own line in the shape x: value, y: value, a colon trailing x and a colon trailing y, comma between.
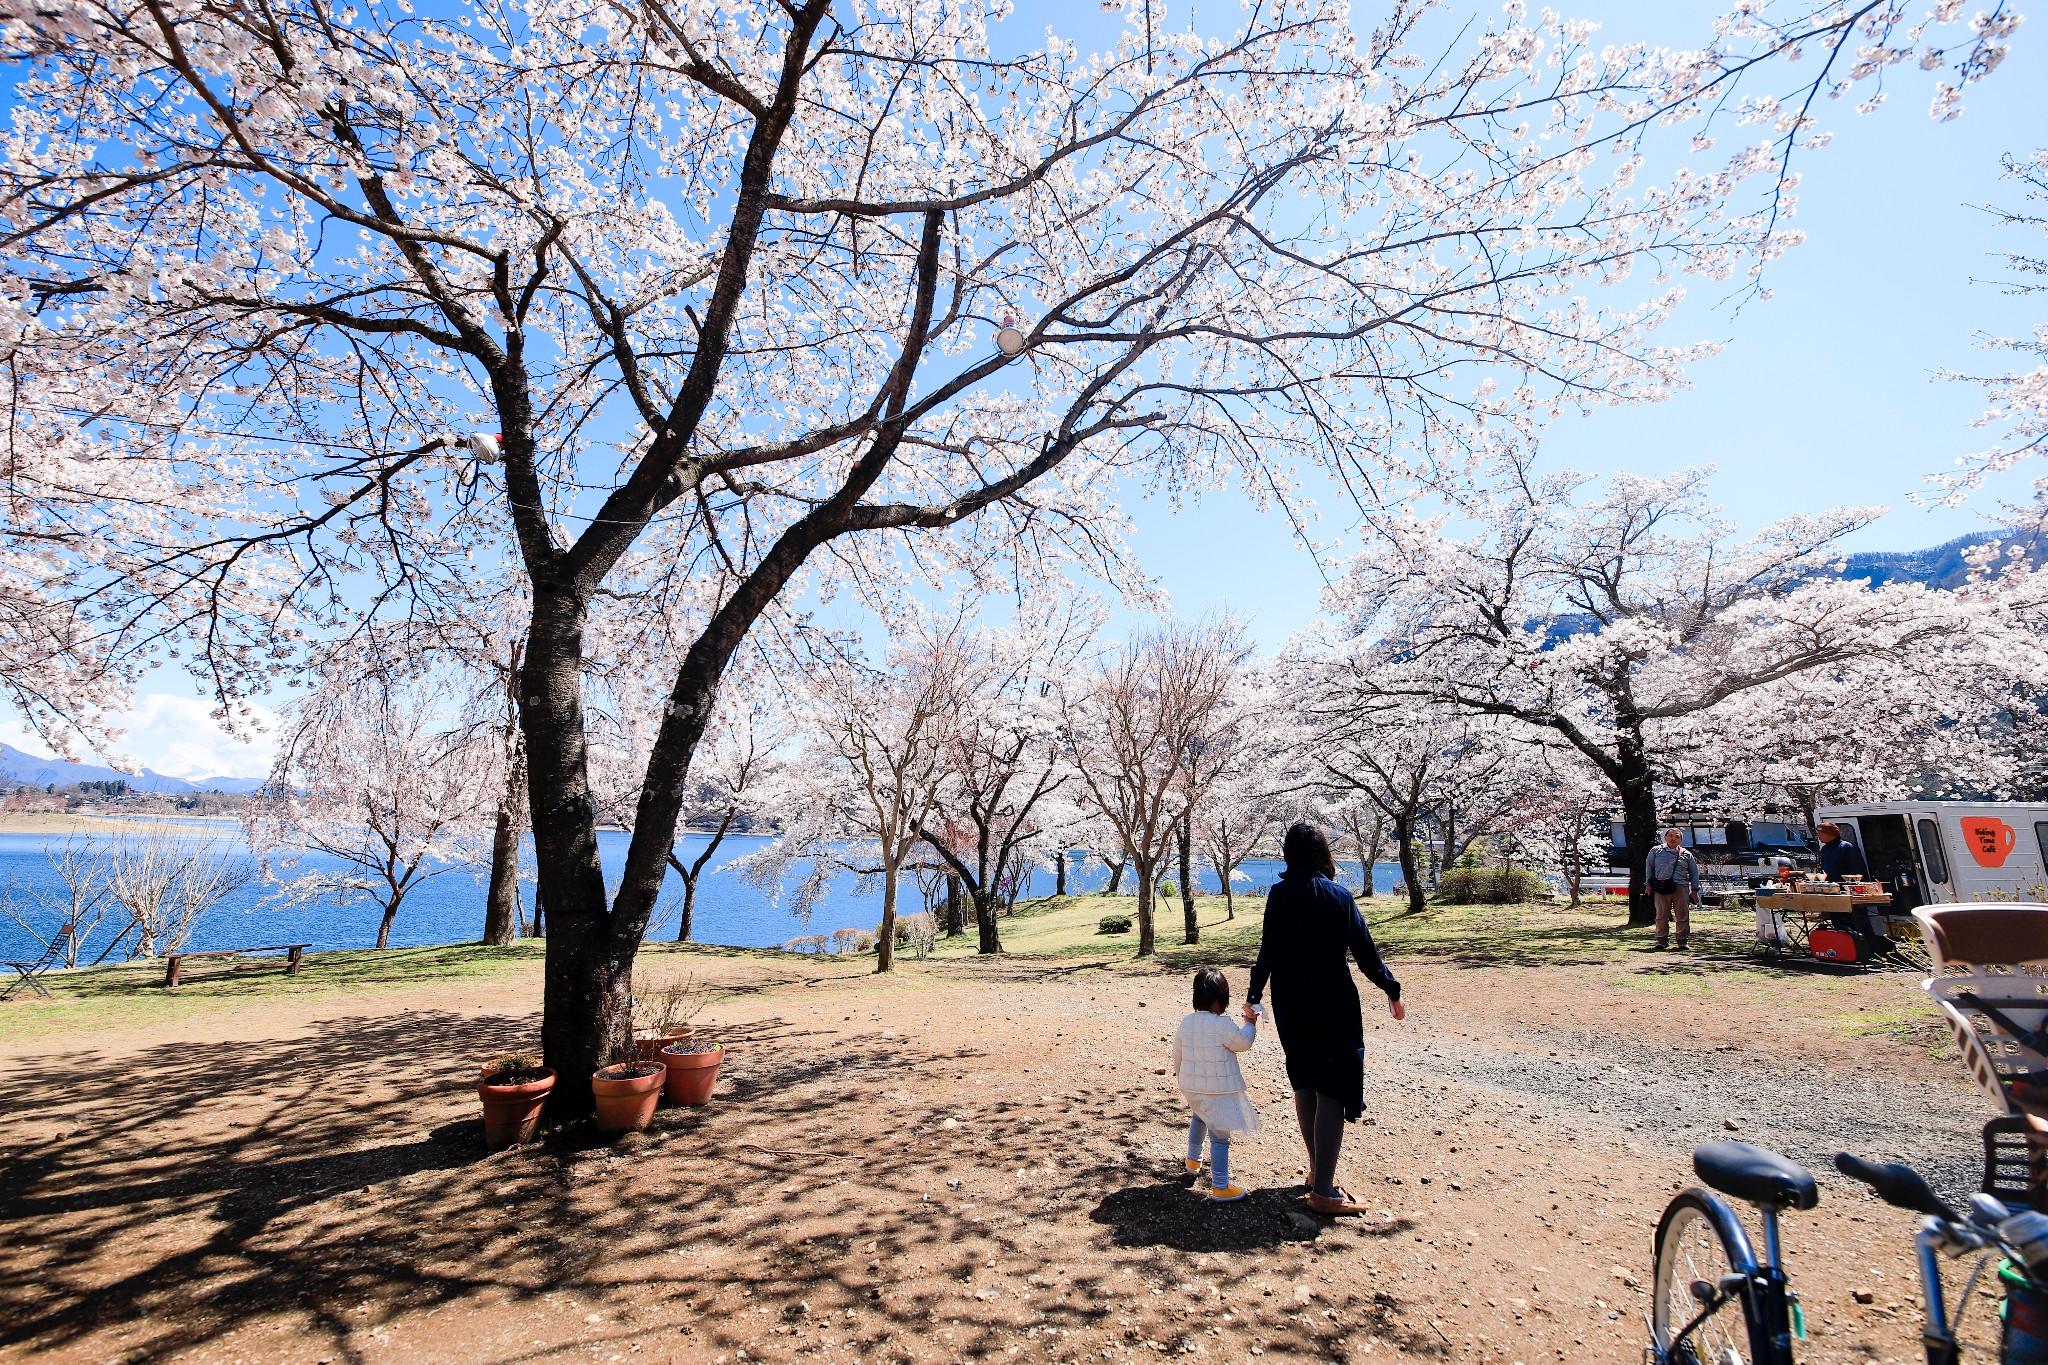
x: 1339, y: 1207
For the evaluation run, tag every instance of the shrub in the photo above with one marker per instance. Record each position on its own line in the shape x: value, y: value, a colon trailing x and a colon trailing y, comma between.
x: 852, y: 941
x: 1489, y: 886
x: 1114, y: 924
x: 917, y: 932
x: 1169, y: 890
x: 668, y: 1003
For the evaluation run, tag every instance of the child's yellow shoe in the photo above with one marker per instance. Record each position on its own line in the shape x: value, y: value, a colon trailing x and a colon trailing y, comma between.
x: 1228, y: 1193
x: 1194, y: 1166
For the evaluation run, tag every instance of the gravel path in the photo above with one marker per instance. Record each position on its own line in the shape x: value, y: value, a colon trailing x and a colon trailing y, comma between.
x: 1674, y: 1099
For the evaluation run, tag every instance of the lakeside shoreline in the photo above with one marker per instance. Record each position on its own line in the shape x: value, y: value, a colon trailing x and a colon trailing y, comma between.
x: 54, y: 822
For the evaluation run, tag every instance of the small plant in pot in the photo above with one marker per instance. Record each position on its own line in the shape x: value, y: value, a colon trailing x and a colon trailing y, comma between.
x: 625, y: 1094
x: 662, y: 1016
x: 514, y: 1090
x: 692, y: 1069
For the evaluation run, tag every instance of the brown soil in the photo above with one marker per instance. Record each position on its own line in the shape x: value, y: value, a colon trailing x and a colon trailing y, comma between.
x: 975, y: 1160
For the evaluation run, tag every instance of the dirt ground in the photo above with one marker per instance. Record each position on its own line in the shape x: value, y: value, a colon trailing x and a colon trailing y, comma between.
x: 976, y: 1160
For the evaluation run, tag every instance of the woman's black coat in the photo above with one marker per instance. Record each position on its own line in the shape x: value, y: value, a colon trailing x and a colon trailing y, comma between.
x: 1311, y: 925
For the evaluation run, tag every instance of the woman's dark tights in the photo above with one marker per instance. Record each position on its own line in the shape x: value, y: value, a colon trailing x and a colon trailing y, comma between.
x: 1322, y: 1132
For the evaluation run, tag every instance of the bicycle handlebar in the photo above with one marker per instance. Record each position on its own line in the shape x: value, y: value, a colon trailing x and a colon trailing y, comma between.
x: 1899, y: 1186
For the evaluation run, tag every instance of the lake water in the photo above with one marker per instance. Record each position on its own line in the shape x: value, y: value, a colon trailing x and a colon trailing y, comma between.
x: 449, y: 907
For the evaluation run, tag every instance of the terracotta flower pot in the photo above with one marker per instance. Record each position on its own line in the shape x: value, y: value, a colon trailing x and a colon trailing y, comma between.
x: 626, y: 1095
x: 651, y: 1044
x: 512, y: 1112
x: 691, y: 1074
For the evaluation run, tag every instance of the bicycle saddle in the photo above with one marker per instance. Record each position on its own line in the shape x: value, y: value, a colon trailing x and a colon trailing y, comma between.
x: 1750, y: 1172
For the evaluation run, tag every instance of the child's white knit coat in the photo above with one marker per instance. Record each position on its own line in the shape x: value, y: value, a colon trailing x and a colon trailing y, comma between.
x: 1205, y: 1049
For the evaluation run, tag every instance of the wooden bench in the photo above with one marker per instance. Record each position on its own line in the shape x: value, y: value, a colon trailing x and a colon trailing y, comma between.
x: 174, y: 965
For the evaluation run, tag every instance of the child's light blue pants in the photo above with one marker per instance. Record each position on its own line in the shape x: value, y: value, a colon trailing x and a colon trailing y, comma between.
x: 1219, y: 1152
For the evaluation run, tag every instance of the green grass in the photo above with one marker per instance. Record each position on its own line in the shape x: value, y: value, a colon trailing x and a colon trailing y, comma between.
x: 1592, y: 943
x: 1068, y: 926
x: 132, y: 994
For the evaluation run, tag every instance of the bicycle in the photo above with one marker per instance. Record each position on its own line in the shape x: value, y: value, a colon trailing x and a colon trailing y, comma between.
x: 1715, y: 1302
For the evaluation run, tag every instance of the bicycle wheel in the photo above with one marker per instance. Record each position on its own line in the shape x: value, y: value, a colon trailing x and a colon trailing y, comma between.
x: 1689, y: 1251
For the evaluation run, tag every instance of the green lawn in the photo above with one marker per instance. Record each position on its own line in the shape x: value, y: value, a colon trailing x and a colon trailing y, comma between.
x: 132, y: 994
x: 1469, y: 935
x: 1592, y: 944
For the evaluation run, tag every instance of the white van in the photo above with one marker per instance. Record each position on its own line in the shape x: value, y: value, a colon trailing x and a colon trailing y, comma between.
x: 1943, y: 852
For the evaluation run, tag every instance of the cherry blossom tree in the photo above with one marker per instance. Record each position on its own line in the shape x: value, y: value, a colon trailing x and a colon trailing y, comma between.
x: 164, y: 880
x: 1148, y: 728
x: 1003, y: 768
x: 740, y: 762
x: 2017, y: 399
x: 1617, y: 619
x: 1236, y: 816
x: 1958, y: 717
x: 861, y: 798
x: 311, y: 310
x: 376, y: 775
x: 1567, y: 829
x: 737, y: 771
x: 71, y: 903
x: 1366, y: 826
x: 1411, y: 757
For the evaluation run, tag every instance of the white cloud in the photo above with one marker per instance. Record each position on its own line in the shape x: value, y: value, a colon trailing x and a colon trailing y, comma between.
x: 178, y: 736
x: 174, y: 735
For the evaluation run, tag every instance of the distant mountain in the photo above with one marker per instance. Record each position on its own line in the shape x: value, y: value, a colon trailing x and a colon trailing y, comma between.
x: 237, y: 786
x: 1942, y: 566
x: 1939, y: 566
x: 33, y: 770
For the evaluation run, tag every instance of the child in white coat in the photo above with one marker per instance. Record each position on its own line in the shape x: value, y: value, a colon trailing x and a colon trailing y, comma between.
x: 1205, y: 1049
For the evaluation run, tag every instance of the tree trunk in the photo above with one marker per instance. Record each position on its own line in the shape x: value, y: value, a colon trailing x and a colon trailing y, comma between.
x: 956, y: 907
x: 1404, y: 838
x: 1372, y: 860
x: 1187, y: 882
x: 501, y: 902
x: 384, y: 928
x: 1116, y: 875
x: 1146, y: 882
x: 540, y: 928
x: 694, y: 871
x: 1639, y: 828
x: 587, y: 998
x: 986, y: 899
x: 1060, y: 874
x: 885, y: 937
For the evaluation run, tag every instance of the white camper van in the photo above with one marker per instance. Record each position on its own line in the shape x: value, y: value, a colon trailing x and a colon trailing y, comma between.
x: 1942, y: 852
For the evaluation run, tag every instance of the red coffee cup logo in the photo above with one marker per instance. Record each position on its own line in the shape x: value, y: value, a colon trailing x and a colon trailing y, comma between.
x: 1989, y: 839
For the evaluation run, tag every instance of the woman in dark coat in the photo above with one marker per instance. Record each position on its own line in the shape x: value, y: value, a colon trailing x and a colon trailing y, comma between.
x: 1312, y: 925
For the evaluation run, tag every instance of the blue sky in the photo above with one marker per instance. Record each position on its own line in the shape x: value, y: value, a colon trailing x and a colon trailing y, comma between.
x: 1824, y: 395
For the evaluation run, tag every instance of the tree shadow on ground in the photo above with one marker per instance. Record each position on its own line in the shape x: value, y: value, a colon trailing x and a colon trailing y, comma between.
x: 333, y: 1186
x: 1171, y: 1214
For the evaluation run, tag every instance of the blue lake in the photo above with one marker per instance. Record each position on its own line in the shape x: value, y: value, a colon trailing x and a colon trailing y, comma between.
x: 449, y: 907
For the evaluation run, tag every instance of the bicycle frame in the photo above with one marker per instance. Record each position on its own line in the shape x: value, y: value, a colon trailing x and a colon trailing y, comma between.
x: 1939, y: 1337
x: 1762, y: 1288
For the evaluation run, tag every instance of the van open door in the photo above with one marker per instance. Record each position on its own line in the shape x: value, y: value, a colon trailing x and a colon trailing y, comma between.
x: 1888, y: 852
